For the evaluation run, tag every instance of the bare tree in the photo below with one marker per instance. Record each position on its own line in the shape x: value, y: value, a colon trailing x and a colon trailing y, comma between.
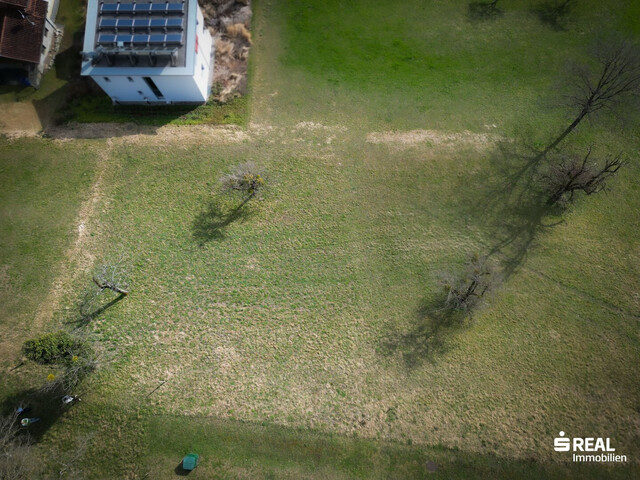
x: 112, y: 276
x: 70, y: 461
x: 571, y: 174
x: 615, y: 78
x: 466, y: 291
x: 16, y: 458
x: 247, y: 178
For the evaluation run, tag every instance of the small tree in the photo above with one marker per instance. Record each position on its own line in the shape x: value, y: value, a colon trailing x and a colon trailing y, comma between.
x: 246, y: 178
x: 16, y: 458
x: 614, y: 78
x: 466, y: 291
x: 112, y: 276
x: 571, y: 173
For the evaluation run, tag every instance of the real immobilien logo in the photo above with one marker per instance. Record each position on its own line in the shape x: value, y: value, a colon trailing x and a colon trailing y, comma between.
x: 594, y: 449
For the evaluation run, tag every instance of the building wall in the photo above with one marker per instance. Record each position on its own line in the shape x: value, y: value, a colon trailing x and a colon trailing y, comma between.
x: 134, y: 89
x: 204, y: 58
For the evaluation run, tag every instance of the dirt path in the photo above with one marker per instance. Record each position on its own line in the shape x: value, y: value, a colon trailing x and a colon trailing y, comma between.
x: 78, y: 258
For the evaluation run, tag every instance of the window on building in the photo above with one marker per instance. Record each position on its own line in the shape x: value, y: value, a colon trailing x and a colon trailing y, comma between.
x: 46, y: 31
x: 44, y: 48
x: 107, y: 79
x: 130, y: 79
x: 154, y: 88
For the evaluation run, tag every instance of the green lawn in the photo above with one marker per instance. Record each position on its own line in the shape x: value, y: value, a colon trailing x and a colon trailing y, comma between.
x: 42, y: 184
x: 295, y: 337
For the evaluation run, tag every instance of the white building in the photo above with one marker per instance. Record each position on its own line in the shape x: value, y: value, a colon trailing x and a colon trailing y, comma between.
x: 148, y: 52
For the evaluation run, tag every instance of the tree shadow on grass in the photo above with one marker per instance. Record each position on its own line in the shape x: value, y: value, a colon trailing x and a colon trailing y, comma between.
x: 212, y: 222
x: 92, y: 306
x: 554, y: 13
x: 512, y: 205
x: 512, y: 209
x: 47, y: 406
x: 430, y: 334
x: 481, y: 11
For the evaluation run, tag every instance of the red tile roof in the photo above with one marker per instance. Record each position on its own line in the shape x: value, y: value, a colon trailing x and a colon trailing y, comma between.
x: 21, y: 28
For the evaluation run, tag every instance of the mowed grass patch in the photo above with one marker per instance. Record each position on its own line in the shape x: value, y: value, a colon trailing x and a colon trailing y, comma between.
x: 230, y: 449
x: 418, y: 64
x: 306, y: 309
x: 128, y: 441
x: 42, y: 184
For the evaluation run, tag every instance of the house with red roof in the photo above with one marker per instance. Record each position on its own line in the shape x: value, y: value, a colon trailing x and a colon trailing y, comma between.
x: 28, y: 40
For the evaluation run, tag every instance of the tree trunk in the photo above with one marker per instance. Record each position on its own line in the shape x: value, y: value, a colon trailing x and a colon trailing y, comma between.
x: 110, y: 286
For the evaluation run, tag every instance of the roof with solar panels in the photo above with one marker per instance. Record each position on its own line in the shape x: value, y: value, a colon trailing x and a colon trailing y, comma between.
x: 140, y: 35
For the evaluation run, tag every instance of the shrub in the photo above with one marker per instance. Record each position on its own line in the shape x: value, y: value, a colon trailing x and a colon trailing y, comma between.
x: 53, y: 347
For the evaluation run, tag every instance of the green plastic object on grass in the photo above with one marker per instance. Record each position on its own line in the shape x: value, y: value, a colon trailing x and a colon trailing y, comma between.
x: 190, y: 461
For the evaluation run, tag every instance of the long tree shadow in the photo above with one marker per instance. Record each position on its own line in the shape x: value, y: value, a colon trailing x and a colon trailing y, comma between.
x: 89, y: 307
x: 512, y: 204
x: 45, y: 406
x: 430, y: 334
x: 554, y: 13
x: 211, y: 224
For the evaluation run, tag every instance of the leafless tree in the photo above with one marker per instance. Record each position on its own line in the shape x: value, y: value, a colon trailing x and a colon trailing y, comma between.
x: 465, y: 291
x: 615, y: 78
x: 16, y: 458
x: 112, y: 276
x: 247, y: 178
x: 570, y: 174
x: 70, y: 461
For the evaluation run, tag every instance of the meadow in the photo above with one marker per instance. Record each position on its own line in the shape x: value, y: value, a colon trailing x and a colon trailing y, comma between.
x: 295, y: 337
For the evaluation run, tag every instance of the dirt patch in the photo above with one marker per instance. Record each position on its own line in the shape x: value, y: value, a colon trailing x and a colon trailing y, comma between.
x: 19, y: 119
x: 78, y: 258
x: 403, y: 140
x: 228, y: 22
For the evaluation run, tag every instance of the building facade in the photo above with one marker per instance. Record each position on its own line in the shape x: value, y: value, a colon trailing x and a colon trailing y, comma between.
x: 148, y: 52
x: 29, y: 40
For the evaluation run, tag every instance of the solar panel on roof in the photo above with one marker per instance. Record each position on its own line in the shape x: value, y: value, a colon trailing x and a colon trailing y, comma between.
x: 126, y: 8
x: 174, y: 22
x: 106, y: 38
x: 174, y: 38
x: 138, y: 39
x: 109, y: 7
x: 142, y: 8
x: 125, y: 23
x: 158, y: 7
x: 158, y: 22
x: 107, y: 23
x: 124, y: 38
x: 156, y: 38
x: 175, y: 7
x: 141, y: 23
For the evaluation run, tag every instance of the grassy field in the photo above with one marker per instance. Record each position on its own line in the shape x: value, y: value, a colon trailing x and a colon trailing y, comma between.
x: 293, y: 337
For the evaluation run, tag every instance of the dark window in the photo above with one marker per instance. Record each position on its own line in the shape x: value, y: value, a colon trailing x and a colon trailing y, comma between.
x: 130, y: 79
x: 44, y: 49
x: 107, y: 79
x: 154, y: 88
x: 46, y: 31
